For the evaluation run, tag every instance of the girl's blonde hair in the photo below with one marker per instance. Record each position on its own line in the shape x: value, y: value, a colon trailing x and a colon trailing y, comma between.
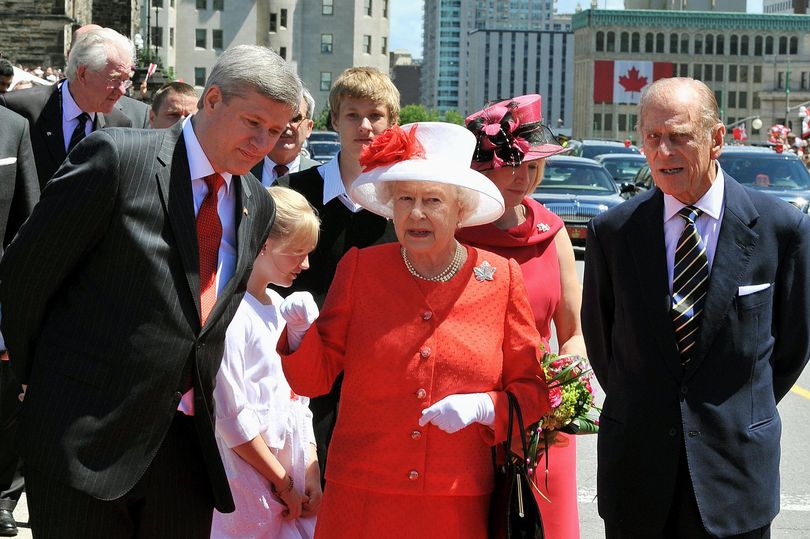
x: 296, y: 222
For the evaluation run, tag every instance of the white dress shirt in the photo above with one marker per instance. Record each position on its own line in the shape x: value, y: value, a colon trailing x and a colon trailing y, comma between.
x: 269, y: 174
x: 708, y: 224
x: 333, y: 185
x: 70, y: 115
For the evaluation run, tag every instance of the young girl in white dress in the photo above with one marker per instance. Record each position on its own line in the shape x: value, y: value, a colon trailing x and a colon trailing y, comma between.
x: 264, y: 430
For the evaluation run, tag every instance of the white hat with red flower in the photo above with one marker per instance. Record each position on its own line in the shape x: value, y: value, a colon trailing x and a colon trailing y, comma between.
x: 425, y: 152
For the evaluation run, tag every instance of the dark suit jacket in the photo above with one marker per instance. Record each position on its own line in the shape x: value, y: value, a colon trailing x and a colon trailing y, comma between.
x: 100, y: 295
x: 305, y: 164
x: 19, y: 188
x: 340, y: 231
x: 722, y: 406
x: 136, y: 111
x: 42, y: 107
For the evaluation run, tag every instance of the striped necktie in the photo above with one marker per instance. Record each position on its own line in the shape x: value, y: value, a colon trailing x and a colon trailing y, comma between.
x: 690, y: 281
x: 209, y: 236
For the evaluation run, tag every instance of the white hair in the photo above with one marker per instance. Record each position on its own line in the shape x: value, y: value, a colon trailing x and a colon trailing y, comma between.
x: 467, y: 198
x: 310, y: 101
x: 251, y: 67
x: 92, y: 50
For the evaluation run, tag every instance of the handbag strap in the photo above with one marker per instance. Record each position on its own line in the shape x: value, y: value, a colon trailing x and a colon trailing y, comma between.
x: 514, y: 410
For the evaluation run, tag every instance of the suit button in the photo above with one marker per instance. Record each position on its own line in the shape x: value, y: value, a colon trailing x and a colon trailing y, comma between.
x: 177, y: 396
x: 416, y: 435
x: 673, y: 431
x: 425, y: 352
x: 684, y: 390
x: 413, y: 475
x: 427, y: 315
x: 421, y: 393
x: 693, y: 433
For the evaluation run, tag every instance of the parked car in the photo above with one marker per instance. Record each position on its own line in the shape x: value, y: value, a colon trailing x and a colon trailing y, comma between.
x: 577, y: 189
x: 323, y: 150
x: 780, y: 174
x: 320, y: 136
x: 590, y: 148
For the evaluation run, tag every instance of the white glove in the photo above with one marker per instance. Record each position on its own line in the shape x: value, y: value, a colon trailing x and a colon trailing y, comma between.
x: 454, y: 412
x: 299, y: 310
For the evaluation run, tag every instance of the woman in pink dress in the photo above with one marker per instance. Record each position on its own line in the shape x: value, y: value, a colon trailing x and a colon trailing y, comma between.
x: 512, y: 146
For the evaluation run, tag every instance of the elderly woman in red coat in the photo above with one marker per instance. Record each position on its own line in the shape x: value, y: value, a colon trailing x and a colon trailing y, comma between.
x: 430, y: 334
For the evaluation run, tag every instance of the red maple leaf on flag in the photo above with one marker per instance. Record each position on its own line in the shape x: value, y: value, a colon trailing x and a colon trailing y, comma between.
x: 632, y: 82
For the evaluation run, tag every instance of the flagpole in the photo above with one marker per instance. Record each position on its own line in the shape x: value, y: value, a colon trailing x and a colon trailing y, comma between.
x: 787, y: 96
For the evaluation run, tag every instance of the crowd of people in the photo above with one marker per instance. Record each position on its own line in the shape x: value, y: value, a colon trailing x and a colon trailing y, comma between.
x: 211, y: 335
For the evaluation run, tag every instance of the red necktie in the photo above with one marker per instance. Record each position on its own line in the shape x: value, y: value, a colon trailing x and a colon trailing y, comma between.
x: 280, y: 170
x: 209, y: 236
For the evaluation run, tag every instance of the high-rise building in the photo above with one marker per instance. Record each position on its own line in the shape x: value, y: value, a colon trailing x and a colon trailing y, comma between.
x: 785, y: 7
x: 321, y: 38
x: 479, y: 51
x: 406, y: 74
x: 688, y: 5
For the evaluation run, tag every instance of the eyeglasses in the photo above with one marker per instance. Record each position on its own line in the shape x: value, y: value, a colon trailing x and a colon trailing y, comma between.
x: 118, y: 82
x: 297, y: 121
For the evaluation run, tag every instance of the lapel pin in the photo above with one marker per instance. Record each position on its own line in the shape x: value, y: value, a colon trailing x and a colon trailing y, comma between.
x: 484, y: 272
x: 244, y: 210
x: 543, y: 227
x: 48, y: 133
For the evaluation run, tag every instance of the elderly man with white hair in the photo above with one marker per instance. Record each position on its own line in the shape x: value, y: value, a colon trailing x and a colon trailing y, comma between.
x: 98, y: 74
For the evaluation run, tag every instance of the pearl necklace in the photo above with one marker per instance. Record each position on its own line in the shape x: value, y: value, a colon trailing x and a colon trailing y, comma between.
x: 442, y: 277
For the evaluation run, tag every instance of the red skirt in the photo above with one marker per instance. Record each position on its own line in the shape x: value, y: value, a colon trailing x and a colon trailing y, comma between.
x: 352, y: 512
x: 560, y: 512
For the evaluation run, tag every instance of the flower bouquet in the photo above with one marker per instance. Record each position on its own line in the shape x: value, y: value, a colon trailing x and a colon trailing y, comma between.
x: 573, y: 410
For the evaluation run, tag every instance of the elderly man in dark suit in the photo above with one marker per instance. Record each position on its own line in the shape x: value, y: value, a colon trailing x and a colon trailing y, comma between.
x: 98, y: 71
x: 285, y: 157
x: 696, y: 320
x: 116, y: 295
x: 19, y: 191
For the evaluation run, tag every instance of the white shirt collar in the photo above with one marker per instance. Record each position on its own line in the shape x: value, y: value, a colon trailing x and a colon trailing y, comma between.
x: 70, y: 110
x: 711, y: 202
x: 292, y: 166
x: 198, y: 163
x: 332, y: 180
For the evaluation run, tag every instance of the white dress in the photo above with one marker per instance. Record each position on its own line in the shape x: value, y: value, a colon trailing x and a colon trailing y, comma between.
x: 253, y: 398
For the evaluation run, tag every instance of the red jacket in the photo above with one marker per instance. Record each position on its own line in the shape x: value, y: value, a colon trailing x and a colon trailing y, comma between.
x: 404, y: 344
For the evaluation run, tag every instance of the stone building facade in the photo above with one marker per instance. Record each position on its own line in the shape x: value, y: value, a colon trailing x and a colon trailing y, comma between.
x: 37, y: 32
x: 123, y: 16
x: 757, y: 65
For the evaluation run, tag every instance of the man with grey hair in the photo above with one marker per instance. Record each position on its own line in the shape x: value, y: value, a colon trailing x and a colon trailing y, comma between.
x: 116, y: 295
x: 98, y: 71
x: 285, y: 157
x: 696, y: 316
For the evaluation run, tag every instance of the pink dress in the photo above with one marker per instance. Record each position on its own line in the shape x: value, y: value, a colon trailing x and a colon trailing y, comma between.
x: 532, y: 245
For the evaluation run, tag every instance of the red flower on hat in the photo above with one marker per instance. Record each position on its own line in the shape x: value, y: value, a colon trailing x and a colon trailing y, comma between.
x: 391, y: 146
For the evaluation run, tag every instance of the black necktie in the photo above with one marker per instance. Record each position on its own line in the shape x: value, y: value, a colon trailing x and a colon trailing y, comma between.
x: 280, y: 170
x: 79, y: 132
x: 690, y: 281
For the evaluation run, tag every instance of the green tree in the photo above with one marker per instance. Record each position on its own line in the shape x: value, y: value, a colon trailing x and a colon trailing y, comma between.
x: 322, y: 120
x: 416, y: 113
x: 453, y: 117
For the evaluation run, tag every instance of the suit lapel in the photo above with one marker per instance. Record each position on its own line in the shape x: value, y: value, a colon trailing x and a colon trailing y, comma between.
x: 735, y: 245
x: 100, y: 122
x: 50, y: 126
x: 174, y: 182
x: 645, y: 237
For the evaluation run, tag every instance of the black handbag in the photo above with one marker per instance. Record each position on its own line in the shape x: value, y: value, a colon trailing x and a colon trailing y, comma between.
x: 513, y: 510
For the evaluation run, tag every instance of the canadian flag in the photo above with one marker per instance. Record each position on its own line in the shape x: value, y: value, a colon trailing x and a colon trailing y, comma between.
x: 622, y: 81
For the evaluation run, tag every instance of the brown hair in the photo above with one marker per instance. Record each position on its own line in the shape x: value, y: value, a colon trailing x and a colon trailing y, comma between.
x: 365, y: 83
x: 172, y: 87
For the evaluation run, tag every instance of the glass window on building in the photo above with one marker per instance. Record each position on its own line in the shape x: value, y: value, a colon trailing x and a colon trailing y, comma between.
x: 718, y: 73
x: 282, y: 51
x: 611, y: 42
x: 384, y: 46
x: 697, y: 71
x: 367, y: 7
x: 157, y: 36
x: 805, y: 85
x: 171, y: 36
x: 608, y: 126
x: 744, y: 46
x: 734, y: 45
x: 673, y: 43
x: 367, y: 44
x: 635, y: 42
x: 282, y: 18
x: 600, y: 41
x: 718, y: 96
x: 783, y: 41
x: 780, y: 80
x: 683, y: 70
x: 200, y: 37
x: 157, y: 3
x: 743, y: 73
x: 708, y: 71
x: 219, y: 5
x: 202, y: 4
x: 758, y: 46
x: 732, y: 99
x: 326, y: 81
x: 274, y: 22
x: 742, y: 100
x: 659, y: 42
x: 755, y: 101
x: 769, y: 45
x: 597, y: 122
x: 385, y: 8
x: 216, y: 39
x: 624, y: 42
x: 699, y: 44
x: 794, y: 45
x: 684, y: 43
x: 732, y: 73
x: 720, y: 45
x: 327, y: 7
x: 622, y: 122
x: 199, y: 76
x: 326, y: 43
x: 709, y: 44
x: 757, y: 73
x: 649, y: 42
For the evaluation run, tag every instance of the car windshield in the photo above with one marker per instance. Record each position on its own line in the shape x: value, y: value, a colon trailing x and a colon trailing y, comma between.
x: 592, y: 150
x: 623, y: 169
x: 576, y: 178
x: 767, y: 171
x: 324, y: 135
